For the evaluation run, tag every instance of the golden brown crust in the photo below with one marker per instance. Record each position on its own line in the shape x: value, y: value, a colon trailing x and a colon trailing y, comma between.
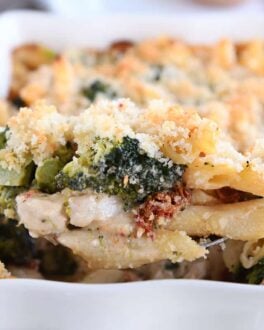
x: 220, y: 80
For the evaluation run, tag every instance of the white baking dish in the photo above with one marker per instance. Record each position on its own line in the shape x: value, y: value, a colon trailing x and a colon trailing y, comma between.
x: 155, y: 305
x: 56, y: 32
x: 174, y: 304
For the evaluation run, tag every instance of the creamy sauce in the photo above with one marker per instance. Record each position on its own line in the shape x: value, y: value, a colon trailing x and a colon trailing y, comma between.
x: 89, y: 207
x: 102, y: 211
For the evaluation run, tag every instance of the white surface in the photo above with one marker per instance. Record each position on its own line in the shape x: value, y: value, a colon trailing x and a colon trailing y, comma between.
x: 88, y: 7
x: 156, y: 305
x: 176, y: 304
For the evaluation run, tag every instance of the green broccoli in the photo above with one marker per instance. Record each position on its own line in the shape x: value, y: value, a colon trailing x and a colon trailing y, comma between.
x: 12, y: 178
x: 253, y: 275
x: 122, y: 169
x: 16, y: 246
x: 7, y: 198
x: 96, y: 88
x: 57, y: 261
x: 256, y: 273
x: 3, y: 137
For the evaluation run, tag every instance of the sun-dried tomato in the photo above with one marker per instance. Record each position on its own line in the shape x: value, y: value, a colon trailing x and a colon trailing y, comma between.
x: 159, y: 208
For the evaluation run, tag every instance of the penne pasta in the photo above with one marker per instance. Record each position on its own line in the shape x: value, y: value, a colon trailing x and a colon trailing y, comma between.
x: 100, y: 250
x: 239, y: 221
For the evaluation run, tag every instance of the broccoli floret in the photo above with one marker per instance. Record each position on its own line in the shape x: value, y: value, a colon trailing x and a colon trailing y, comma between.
x: 9, y: 177
x: 76, y: 182
x: 253, y: 275
x: 256, y: 274
x: 3, y: 137
x: 7, y: 198
x: 96, y: 88
x: 239, y: 274
x: 120, y: 168
x: 16, y: 246
x: 57, y: 261
x: 12, y: 178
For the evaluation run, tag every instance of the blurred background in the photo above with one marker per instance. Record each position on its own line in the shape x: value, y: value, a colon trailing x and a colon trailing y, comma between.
x: 88, y: 7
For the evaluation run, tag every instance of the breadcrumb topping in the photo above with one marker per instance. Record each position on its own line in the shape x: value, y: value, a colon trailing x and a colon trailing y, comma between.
x: 35, y: 134
x: 164, y: 131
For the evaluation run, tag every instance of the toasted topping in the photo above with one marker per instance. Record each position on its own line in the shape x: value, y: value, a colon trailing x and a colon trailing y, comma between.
x: 34, y: 134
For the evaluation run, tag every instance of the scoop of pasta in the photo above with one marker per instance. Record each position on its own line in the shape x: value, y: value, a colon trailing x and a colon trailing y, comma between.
x: 92, y: 219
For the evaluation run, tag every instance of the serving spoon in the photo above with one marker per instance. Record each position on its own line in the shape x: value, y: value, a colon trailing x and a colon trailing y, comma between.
x: 215, y: 242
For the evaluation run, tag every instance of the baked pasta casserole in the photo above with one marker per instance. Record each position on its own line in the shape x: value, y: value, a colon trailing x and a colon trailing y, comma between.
x: 123, y: 164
